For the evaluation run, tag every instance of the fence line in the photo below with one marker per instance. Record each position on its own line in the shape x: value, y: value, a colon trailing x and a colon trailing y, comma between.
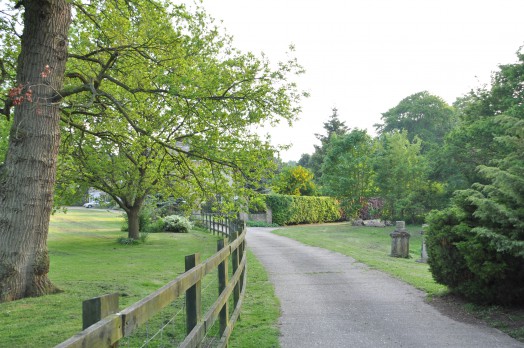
x: 218, y: 223
x: 112, y: 326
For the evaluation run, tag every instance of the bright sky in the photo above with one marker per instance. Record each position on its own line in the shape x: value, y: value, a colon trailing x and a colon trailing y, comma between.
x: 364, y: 56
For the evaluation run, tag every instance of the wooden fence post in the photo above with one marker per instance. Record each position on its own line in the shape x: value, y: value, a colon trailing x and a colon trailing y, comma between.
x: 241, y: 247
x: 222, y: 283
x: 235, y: 261
x: 193, y: 296
x: 97, y: 308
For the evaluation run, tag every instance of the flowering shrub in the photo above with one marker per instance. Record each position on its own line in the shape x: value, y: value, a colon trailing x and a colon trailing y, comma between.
x: 176, y: 223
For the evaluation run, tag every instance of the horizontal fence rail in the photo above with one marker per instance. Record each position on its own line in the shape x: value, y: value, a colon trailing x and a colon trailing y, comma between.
x: 105, y: 326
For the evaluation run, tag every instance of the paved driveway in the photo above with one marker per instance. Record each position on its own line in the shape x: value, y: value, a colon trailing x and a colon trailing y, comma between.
x: 330, y: 300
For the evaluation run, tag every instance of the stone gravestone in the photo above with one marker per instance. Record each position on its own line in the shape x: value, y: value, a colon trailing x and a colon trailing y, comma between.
x: 400, y: 241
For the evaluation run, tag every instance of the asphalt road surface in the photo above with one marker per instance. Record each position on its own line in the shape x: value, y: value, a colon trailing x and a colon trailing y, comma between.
x: 330, y: 300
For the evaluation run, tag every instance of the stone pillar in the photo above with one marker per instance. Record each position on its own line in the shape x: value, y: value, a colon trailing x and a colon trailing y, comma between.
x: 400, y: 241
x: 269, y: 216
x: 423, y: 250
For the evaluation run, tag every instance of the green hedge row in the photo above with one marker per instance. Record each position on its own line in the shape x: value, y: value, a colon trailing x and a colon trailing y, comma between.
x: 289, y: 210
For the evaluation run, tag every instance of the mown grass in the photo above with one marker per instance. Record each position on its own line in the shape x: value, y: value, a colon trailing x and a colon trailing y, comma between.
x: 372, y: 246
x: 86, y: 261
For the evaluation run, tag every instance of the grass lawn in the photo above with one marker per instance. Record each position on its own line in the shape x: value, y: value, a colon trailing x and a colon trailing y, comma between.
x: 372, y: 246
x: 87, y: 262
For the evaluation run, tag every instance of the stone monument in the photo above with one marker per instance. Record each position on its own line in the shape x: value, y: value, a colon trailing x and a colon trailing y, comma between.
x: 400, y: 241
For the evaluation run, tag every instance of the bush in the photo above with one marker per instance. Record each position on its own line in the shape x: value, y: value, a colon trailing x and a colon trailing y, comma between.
x: 176, y: 223
x: 257, y: 205
x: 252, y: 223
x: 127, y: 241
x: 303, y: 209
x: 155, y: 226
x: 473, y: 260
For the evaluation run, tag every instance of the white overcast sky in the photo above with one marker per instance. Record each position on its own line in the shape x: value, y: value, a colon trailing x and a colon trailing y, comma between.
x: 365, y: 56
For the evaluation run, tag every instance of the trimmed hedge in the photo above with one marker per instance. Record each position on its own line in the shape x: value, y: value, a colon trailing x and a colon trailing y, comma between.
x: 290, y: 210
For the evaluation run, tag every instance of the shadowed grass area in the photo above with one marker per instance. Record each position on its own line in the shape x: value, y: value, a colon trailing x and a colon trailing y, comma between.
x: 86, y: 261
x: 372, y: 246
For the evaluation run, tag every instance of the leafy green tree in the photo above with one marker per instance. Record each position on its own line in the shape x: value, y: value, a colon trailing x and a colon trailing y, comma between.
x: 422, y: 115
x: 183, y: 112
x: 348, y: 170
x: 476, y: 245
x: 472, y: 143
x: 402, y: 178
x: 333, y: 126
x: 141, y: 74
x: 295, y: 181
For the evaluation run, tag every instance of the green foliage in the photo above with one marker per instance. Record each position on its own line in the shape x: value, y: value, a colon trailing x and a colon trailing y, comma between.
x: 172, y: 105
x: 333, y: 126
x: 251, y: 223
x: 280, y: 206
x: 177, y: 224
x: 257, y: 204
x: 5, y: 127
x: 486, y: 221
x: 295, y: 181
x: 476, y: 262
x: 422, y: 115
x: 348, y: 170
x: 402, y: 178
x: 298, y: 209
x: 127, y: 241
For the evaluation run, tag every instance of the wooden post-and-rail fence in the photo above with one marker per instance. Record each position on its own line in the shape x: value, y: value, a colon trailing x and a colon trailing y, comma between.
x: 104, y: 325
x: 218, y: 223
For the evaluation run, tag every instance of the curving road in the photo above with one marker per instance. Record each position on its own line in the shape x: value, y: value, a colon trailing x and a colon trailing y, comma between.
x: 330, y: 300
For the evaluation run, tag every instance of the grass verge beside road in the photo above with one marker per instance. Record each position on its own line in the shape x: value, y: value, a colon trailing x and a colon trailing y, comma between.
x: 86, y: 261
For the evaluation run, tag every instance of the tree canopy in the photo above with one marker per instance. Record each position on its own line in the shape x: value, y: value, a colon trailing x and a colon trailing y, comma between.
x: 422, y: 115
x: 476, y: 245
x: 348, y: 170
x: 173, y: 106
x: 152, y: 95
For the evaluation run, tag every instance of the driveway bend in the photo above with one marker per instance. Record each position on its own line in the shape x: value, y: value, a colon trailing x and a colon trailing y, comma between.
x: 330, y: 300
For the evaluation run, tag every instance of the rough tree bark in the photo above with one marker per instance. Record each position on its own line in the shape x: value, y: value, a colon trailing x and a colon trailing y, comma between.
x: 27, y: 179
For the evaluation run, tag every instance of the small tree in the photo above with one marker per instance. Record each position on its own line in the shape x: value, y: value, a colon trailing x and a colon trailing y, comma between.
x: 401, y: 177
x: 295, y: 181
x: 348, y: 170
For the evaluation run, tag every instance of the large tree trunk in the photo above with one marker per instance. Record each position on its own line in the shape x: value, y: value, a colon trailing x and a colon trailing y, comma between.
x: 28, y: 176
x: 133, y: 220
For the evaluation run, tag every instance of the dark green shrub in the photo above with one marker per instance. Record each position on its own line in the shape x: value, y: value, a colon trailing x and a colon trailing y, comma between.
x: 473, y: 257
x: 155, y: 226
x: 281, y: 208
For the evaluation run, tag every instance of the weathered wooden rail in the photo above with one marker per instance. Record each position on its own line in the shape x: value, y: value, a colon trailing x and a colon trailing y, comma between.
x: 110, y: 326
